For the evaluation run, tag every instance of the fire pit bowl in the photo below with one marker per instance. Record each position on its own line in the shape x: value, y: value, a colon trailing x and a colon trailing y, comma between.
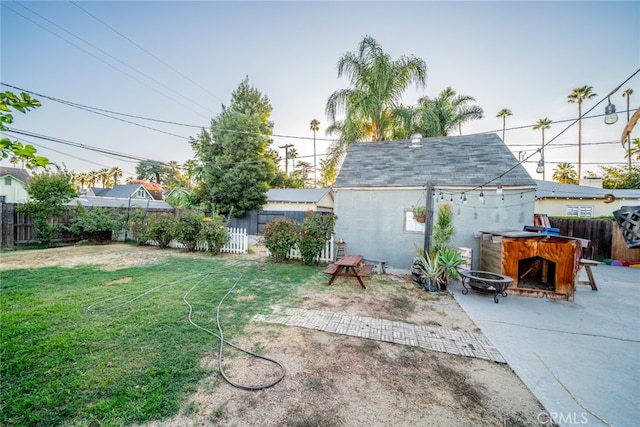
x: 486, y: 282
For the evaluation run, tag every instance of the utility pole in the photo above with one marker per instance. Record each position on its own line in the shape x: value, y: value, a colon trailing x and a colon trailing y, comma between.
x: 286, y: 158
x: 428, y: 224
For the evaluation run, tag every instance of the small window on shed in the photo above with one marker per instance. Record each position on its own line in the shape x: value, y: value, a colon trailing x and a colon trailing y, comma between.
x: 411, y: 225
x: 580, y: 211
x: 141, y: 194
x: 7, y: 180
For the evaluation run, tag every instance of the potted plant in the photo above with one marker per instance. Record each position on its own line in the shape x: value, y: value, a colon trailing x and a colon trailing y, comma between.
x: 419, y: 213
x: 432, y: 272
x: 449, y: 260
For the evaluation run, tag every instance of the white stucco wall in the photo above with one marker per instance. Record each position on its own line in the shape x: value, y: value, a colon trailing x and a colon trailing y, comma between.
x: 372, y: 221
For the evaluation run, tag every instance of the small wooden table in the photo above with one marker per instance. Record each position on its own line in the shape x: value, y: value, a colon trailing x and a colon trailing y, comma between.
x: 348, y: 266
x: 587, y: 264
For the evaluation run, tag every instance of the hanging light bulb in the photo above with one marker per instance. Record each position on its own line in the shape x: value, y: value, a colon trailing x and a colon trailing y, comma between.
x: 540, y: 167
x: 441, y: 196
x: 464, y: 198
x: 521, y: 195
x: 481, y: 196
x: 499, y: 188
x: 451, y: 199
x: 610, y: 115
x: 503, y: 198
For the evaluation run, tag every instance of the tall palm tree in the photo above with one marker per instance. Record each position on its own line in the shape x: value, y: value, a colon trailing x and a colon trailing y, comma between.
x: 293, y: 155
x: 104, y: 175
x: 576, y: 96
x: 93, y: 178
x: 542, y: 124
x: 565, y: 174
x: 315, y: 127
x: 116, y: 174
x: 504, y: 113
x: 448, y: 111
x: 377, y: 85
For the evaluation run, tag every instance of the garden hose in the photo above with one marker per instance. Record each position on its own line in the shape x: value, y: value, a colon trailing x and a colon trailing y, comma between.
x: 219, y: 335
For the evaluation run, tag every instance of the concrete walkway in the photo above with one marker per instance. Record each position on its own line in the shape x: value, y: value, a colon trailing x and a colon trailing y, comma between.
x: 580, y: 358
x: 434, y: 339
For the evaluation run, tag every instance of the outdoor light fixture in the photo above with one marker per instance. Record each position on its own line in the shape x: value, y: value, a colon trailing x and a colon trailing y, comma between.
x: 499, y: 188
x: 464, y: 198
x: 481, y: 196
x: 610, y: 116
x: 451, y: 199
x: 540, y: 167
x: 503, y: 198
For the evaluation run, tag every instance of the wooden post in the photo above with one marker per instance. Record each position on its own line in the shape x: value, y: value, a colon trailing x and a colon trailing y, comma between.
x: 429, y: 218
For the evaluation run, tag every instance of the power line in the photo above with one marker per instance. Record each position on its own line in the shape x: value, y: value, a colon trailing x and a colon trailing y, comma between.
x: 143, y: 49
x: 4, y: 4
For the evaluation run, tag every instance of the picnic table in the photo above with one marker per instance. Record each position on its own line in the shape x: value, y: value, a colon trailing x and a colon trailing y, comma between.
x: 349, y: 266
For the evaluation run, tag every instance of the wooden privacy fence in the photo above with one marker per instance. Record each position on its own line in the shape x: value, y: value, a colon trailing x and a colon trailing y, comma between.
x: 604, y: 235
x: 17, y: 228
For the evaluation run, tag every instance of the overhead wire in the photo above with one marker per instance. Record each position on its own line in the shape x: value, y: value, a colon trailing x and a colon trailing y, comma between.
x: 4, y: 4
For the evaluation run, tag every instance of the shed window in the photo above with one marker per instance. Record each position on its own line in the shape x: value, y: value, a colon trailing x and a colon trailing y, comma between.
x: 411, y: 225
x: 580, y: 211
x: 141, y: 194
x: 7, y: 181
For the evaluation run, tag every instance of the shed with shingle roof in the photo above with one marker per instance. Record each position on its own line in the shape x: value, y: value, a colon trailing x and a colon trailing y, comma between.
x: 13, y: 182
x: 379, y: 182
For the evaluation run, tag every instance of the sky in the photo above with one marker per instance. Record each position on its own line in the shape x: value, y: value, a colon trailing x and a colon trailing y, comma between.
x: 180, y: 62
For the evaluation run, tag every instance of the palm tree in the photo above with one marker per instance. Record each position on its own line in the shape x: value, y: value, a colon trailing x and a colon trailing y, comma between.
x: 542, y: 124
x: 315, y: 127
x: 93, y: 178
x: 578, y: 95
x: 293, y: 154
x: 14, y: 160
x: 448, y: 111
x: 377, y: 84
x: 565, y: 174
x: 116, y: 174
x: 104, y: 175
x: 504, y: 113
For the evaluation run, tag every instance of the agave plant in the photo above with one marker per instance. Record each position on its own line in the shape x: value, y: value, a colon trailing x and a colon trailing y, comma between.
x: 432, y: 271
x: 449, y: 260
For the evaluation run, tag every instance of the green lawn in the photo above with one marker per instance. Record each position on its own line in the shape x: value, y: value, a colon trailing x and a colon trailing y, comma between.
x: 130, y: 360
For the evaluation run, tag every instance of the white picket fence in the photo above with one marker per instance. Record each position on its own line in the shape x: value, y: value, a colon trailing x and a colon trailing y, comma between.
x: 326, y: 255
x: 238, y: 242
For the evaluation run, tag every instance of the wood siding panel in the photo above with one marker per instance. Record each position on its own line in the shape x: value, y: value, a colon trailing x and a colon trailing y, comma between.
x: 490, y: 256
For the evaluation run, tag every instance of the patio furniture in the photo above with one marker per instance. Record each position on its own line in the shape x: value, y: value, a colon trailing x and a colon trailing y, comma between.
x: 587, y: 264
x: 486, y: 282
x: 349, y: 266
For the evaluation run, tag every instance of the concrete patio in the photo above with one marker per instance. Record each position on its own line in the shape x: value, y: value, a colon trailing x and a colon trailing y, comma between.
x: 580, y: 358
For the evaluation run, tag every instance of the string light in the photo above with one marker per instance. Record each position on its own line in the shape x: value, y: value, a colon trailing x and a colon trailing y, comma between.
x: 499, y: 188
x: 481, y: 196
x: 464, y: 198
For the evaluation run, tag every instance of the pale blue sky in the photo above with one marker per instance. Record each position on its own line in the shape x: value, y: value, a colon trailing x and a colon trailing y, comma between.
x: 525, y: 56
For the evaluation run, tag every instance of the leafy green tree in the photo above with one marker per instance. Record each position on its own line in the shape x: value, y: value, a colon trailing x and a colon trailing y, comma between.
x: 504, y: 113
x: 15, y: 149
x: 315, y: 231
x: 48, y: 192
x: 153, y: 171
x: 280, y: 236
x: 621, y: 177
x: 303, y: 172
x: 541, y: 125
x: 187, y: 229
x: 377, y: 84
x: 577, y: 96
x: 97, y: 223
x: 237, y: 163
x: 160, y: 228
x: 634, y: 152
x: 565, y: 173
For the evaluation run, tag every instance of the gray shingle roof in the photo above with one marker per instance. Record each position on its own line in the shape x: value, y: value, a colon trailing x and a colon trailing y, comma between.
x: 111, y: 202
x: 123, y: 191
x: 17, y: 173
x: 468, y: 160
x: 296, y: 195
x: 555, y: 189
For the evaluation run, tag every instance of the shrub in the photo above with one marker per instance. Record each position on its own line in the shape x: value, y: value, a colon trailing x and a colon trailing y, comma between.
x: 160, y: 228
x: 214, y: 232
x: 187, y: 229
x: 280, y: 235
x: 315, y: 231
x: 96, y: 224
x: 136, y: 222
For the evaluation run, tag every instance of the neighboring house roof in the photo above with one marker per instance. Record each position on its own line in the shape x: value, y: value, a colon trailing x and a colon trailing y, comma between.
x: 112, y: 202
x: 549, y: 189
x: 17, y: 173
x: 468, y: 160
x: 120, y: 191
x: 297, y: 195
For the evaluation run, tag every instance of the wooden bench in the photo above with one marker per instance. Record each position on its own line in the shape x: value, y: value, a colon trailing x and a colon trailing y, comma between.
x: 365, y: 270
x: 587, y: 264
x: 377, y: 263
x: 331, y: 269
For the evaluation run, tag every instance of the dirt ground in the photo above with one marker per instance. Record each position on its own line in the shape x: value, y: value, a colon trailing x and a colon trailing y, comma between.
x: 335, y: 380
